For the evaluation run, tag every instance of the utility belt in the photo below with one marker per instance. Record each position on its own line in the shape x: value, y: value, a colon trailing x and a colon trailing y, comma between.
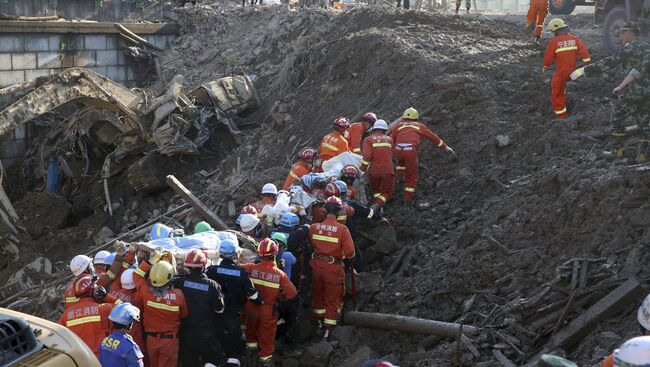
x: 405, y: 147
x: 162, y: 335
x: 326, y: 258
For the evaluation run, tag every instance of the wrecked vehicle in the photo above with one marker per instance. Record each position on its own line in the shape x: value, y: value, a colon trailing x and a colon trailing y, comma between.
x: 126, y: 128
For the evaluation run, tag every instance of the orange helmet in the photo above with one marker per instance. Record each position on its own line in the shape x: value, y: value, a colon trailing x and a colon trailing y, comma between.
x: 196, y: 259
x: 307, y: 154
x: 332, y: 189
x: 84, y: 285
x: 249, y: 209
x: 333, y: 201
x: 267, y: 247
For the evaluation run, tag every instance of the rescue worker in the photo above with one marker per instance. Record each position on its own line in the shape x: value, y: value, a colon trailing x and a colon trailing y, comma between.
x: 127, y: 293
x: 332, y: 243
x: 300, y: 168
x: 356, y: 132
x: 636, y: 73
x: 335, y: 143
x: 269, y: 194
x: 81, y: 265
x: 633, y: 103
x: 349, y: 175
x: 88, y: 317
x: 563, y: 50
x: 643, y: 317
x: 297, y: 244
x: 99, y: 261
x: 407, y: 135
x: 248, y: 209
x: 273, y: 285
x: 287, y: 309
x: 202, y: 226
x: 468, y: 5
x: 633, y: 353
x: 199, y: 343
x: 119, y: 349
x: 537, y: 13
x: 236, y: 287
x: 164, y: 307
x: 250, y: 225
x: 318, y: 211
x: 378, y: 161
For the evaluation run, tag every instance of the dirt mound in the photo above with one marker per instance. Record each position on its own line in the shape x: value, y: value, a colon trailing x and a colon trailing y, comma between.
x: 42, y: 211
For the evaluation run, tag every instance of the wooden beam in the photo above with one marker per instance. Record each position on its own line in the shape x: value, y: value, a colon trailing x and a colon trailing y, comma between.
x: 406, y: 323
x: 197, y: 204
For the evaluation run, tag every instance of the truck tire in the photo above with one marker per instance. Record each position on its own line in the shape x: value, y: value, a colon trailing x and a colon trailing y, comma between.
x: 613, y: 21
x: 561, y: 7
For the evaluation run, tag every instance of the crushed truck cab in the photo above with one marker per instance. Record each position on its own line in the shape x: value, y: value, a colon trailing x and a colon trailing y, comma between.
x: 27, y: 340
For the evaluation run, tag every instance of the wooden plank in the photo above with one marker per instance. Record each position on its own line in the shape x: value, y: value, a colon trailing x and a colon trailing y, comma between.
x: 615, y: 301
x: 406, y: 323
x: 503, y: 360
x: 197, y: 204
x: 7, y: 206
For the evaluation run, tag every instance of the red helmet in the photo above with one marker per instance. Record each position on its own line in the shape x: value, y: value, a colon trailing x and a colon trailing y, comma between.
x: 196, y: 259
x: 369, y: 117
x: 249, y: 209
x: 267, y: 247
x: 84, y: 285
x: 350, y: 171
x: 307, y: 154
x: 341, y: 123
x: 332, y: 189
x: 333, y: 200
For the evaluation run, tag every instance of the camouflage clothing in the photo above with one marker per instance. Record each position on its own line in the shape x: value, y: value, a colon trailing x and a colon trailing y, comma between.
x: 634, y: 102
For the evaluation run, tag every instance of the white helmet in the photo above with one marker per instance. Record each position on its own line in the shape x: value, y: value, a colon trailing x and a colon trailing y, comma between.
x: 100, y: 257
x: 269, y: 188
x: 79, y: 264
x: 380, y: 125
x: 248, y: 222
x: 127, y: 279
x: 634, y: 352
x: 643, y: 315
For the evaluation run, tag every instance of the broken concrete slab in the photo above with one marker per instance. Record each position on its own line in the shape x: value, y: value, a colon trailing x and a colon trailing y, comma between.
x: 317, y: 355
x: 359, y: 357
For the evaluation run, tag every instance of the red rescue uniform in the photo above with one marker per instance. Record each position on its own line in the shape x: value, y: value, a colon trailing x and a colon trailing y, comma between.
x: 378, y: 161
x: 89, y: 320
x: 332, y: 145
x: 261, y: 323
x: 563, y: 50
x: 296, y: 171
x: 332, y: 243
x: 260, y: 204
x: 407, y: 135
x: 537, y: 13
x: 354, y: 136
x: 162, y: 315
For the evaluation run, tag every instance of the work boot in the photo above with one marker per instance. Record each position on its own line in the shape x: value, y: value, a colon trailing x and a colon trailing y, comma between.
x: 326, y: 334
x: 536, y: 41
x: 618, y: 142
x: 266, y: 362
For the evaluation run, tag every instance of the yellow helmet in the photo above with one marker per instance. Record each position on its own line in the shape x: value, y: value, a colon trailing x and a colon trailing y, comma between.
x: 411, y: 114
x: 161, y: 273
x: 555, y: 24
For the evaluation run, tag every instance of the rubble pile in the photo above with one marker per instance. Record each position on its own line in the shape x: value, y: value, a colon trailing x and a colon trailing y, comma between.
x: 529, y: 234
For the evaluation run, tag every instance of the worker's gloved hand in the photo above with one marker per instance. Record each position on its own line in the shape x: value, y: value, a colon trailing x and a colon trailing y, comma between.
x: 385, y: 221
x: 132, y: 247
x: 120, y: 247
x: 618, y: 90
x: 301, y: 210
x: 577, y: 73
x: 449, y: 150
x: 257, y: 299
x: 155, y: 256
x: 99, y: 293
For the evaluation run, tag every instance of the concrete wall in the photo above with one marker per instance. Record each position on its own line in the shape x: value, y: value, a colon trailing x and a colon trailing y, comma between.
x: 110, y: 10
x: 32, y: 49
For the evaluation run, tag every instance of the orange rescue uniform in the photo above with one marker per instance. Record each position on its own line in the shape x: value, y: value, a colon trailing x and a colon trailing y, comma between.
x: 296, y: 171
x: 332, y: 243
x: 563, y: 50
x: 407, y: 135
x: 332, y: 145
x: 354, y: 135
x: 162, y: 315
x: 537, y: 12
x: 89, y: 320
x: 378, y: 154
x: 261, y: 323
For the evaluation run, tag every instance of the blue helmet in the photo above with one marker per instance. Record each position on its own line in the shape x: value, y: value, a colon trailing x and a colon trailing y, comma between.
x: 228, y: 248
x: 289, y: 220
x: 342, y: 186
x: 124, y: 314
x: 109, y: 259
x: 160, y: 230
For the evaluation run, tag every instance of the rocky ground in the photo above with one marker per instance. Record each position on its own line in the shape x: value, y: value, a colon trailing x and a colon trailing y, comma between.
x: 528, y: 217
